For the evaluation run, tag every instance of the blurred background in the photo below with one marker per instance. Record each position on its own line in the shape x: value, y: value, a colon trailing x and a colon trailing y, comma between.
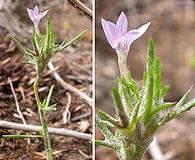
x: 173, y: 32
x: 74, y: 65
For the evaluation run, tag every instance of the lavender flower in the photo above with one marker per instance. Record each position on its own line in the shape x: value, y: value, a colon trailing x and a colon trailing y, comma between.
x: 117, y: 35
x: 120, y: 39
x: 35, y: 16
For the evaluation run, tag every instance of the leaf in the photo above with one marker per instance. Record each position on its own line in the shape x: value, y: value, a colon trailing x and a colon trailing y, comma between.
x: 72, y: 41
x: 126, y: 95
x: 62, y: 44
x: 144, y: 82
x: 135, y: 89
x: 49, y: 38
x: 177, y: 112
x: 49, y: 97
x: 183, y: 99
x: 104, y: 143
x: 164, y: 91
x: 108, y: 118
x: 150, y: 56
x: 157, y: 80
x: 37, y: 42
x: 185, y: 108
x: 134, y: 116
x: 52, y: 107
x: 119, y: 107
x: 104, y: 129
x: 44, y: 102
x: 148, y: 95
x: 19, y: 46
x: 161, y: 107
x: 108, y: 124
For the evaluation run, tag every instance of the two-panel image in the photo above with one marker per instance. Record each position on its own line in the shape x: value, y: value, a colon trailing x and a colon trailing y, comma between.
x: 97, y: 80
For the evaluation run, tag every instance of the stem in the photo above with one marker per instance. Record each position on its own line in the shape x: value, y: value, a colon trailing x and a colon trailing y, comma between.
x: 42, y: 115
x: 122, y: 63
x: 132, y: 151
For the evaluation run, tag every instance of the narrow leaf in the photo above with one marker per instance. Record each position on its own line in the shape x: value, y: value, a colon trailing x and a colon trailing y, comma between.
x: 119, y: 107
x: 177, y: 112
x: 18, y: 44
x: 108, y: 118
x: 134, y: 116
x: 150, y: 55
x: 161, y: 107
x: 104, y: 143
x: 104, y: 129
x: 49, y: 97
x: 164, y: 91
x: 148, y: 98
x: 72, y: 41
x: 183, y: 99
x: 157, y: 80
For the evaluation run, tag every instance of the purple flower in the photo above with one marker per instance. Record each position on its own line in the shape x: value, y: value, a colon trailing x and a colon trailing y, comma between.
x: 35, y: 16
x: 117, y: 35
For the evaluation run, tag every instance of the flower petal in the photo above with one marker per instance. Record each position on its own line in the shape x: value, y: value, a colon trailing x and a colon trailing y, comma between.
x: 31, y: 14
x: 132, y: 35
x: 122, y: 23
x: 36, y: 10
x: 112, y: 34
x: 43, y: 14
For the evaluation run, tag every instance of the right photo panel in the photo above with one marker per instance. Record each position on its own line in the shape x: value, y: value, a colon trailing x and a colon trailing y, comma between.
x: 145, y: 72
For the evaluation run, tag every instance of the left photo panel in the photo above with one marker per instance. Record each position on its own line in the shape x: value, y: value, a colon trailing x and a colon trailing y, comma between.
x: 46, y: 80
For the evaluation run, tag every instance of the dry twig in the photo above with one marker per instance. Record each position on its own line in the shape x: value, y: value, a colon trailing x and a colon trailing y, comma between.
x: 69, y: 87
x: 33, y: 128
x: 78, y: 4
x: 17, y: 105
x: 16, y: 101
x: 66, y: 113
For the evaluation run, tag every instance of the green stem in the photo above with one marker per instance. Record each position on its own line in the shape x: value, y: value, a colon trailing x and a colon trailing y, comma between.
x: 42, y: 115
x: 130, y: 151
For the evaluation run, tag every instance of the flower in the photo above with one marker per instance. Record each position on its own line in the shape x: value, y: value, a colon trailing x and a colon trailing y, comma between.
x: 117, y: 35
x: 35, y: 16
